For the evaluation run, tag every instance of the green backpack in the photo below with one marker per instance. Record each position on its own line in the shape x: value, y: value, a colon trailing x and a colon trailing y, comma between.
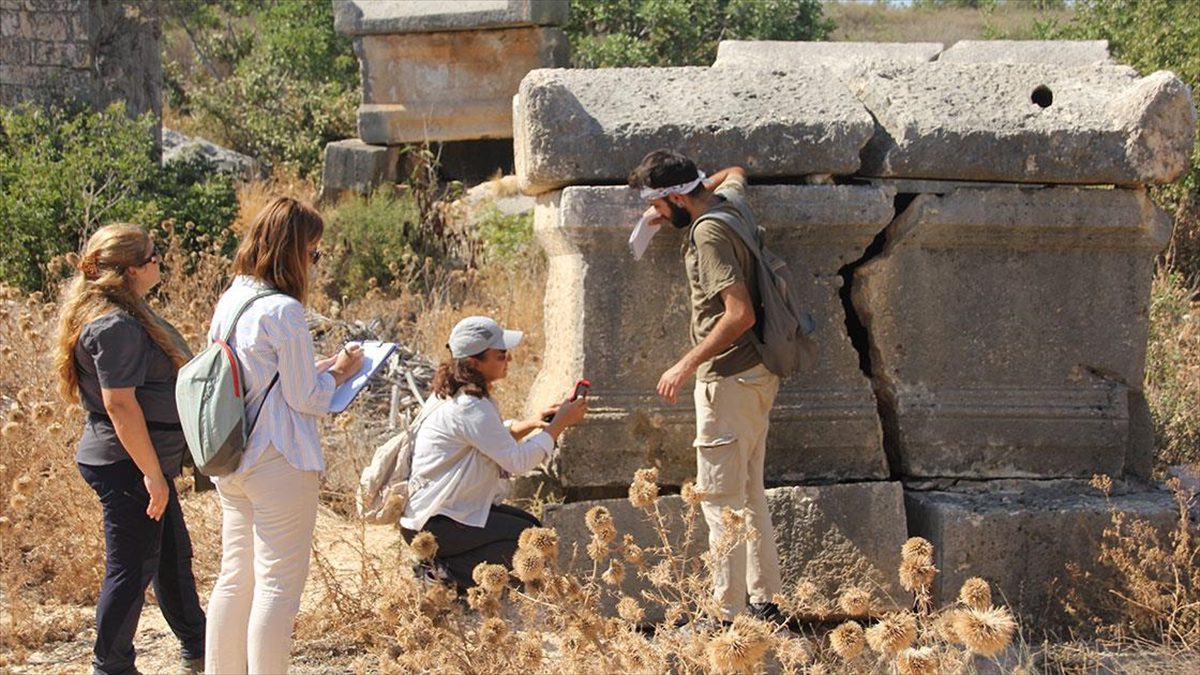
x: 210, y: 393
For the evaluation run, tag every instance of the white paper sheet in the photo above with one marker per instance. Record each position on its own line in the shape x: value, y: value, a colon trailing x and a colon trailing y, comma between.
x: 643, y: 232
x: 375, y: 354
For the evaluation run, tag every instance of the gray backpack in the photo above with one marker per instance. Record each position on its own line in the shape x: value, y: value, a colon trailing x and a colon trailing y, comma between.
x: 782, y: 330
x: 210, y: 393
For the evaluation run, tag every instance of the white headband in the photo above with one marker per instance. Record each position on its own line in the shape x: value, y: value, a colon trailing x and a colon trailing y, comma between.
x: 650, y: 194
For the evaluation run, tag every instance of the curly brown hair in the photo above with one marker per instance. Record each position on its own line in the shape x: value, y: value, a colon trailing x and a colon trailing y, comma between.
x: 455, y: 376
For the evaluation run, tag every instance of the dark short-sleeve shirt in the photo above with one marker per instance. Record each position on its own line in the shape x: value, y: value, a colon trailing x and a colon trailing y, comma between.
x: 716, y: 258
x: 115, y: 352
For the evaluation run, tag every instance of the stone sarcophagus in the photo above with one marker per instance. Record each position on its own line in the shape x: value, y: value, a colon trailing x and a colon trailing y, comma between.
x: 447, y: 71
x: 1008, y: 329
x: 621, y: 323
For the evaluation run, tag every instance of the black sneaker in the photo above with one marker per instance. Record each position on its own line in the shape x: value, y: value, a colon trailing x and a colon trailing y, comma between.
x: 769, y: 612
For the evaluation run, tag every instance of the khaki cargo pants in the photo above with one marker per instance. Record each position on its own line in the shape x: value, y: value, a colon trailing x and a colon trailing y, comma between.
x: 732, y: 416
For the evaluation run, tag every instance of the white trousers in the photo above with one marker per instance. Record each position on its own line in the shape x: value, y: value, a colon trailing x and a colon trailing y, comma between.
x: 732, y: 415
x: 269, y: 512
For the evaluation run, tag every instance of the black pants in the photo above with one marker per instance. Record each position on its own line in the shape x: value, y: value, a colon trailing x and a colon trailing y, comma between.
x: 139, y: 549
x: 462, y: 547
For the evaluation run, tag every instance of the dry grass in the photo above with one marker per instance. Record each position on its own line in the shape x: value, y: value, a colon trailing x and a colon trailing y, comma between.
x: 874, y: 22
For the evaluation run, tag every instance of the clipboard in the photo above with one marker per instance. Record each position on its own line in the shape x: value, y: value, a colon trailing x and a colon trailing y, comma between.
x: 375, y: 355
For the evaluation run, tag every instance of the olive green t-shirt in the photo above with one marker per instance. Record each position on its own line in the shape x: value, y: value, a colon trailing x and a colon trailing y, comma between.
x: 718, y: 259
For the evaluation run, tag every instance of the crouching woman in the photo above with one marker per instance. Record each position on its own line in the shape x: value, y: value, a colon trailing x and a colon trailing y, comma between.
x: 464, y: 452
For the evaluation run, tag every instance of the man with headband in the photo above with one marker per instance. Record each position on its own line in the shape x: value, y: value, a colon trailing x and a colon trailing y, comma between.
x: 734, y: 391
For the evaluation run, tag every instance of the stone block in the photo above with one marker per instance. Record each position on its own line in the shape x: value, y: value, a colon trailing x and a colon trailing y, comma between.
x: 593, y: 126
x: 834, y: 536
x: 14, y: 51
x: 1020, y: 536
x: 10, y: 27
x: 841, y: 56
x: 1026, y: 123
x: 178, y: 147
x: 1008, y: 328
x: 448, y: 86
x: 621, y: 323
x: 60, y: 54
x: 48, y: 26
x: 354, y: 165
x: 1055, y: 52
x: 374, y: 17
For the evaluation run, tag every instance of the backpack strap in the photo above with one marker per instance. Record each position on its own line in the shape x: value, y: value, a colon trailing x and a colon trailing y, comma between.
x: 229, y: 336
x: 722, y: 215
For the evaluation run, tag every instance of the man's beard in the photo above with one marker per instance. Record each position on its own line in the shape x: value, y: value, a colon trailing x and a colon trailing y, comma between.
x: 680, y: 218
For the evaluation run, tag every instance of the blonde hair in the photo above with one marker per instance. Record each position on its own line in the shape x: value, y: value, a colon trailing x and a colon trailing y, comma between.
x: 275, y: 247
x: 100, y: 287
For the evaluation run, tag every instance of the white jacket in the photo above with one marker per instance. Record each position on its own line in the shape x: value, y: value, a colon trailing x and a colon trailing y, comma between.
x: 460, y: 458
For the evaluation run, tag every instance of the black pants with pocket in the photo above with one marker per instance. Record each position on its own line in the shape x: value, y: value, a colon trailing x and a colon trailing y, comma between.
x: 138, y: 550
x: 461, y: 547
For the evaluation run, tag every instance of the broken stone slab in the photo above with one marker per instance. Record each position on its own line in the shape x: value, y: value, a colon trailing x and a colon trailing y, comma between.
x: 594, y: 126
x: 372, y: 17
x: 841, y: 56
x: 1021, y: 535
x: 178, y: 147
x: 448, y: 86
x: 352, y: 165
x: 1008, y: 330
x: 831, y: 536
x: 1026, y: 123
x: 621, y: 323
x: 1056, y: 52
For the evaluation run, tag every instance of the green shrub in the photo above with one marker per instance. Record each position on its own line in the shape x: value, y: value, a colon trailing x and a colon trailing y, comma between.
x: 370, y: 240
x: 1173, y: 368
x: 277, y: 82
x: 505, y: 236
x: 65, y: 173
x: 616, y: 33
x: 1153, y: 35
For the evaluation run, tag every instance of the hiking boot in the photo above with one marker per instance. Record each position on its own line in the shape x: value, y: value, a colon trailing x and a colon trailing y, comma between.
x: 768, y: 612
x: 432, y: 572
x: 191, y: 666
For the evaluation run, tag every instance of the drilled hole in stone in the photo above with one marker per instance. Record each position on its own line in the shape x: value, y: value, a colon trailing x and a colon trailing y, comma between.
x: 1042, y: 96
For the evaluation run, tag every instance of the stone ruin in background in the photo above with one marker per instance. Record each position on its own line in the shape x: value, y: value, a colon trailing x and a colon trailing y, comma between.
x: 974, y: 236
x: 443, y: 73
x: 93, y: 51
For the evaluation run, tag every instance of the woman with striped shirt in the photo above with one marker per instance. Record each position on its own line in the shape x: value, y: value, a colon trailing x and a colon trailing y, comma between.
x: 269, y: 505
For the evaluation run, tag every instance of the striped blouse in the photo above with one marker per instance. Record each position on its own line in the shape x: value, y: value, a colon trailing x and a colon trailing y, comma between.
x: 272, y: 336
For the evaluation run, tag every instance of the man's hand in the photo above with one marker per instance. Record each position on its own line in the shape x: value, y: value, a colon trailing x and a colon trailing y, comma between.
x: 673, y: 380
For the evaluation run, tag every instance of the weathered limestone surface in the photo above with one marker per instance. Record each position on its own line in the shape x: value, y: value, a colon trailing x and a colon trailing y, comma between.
x: 89, y: 51
x: 841, y: 56
x: 367, y: 17
x: 1057, y: 52
x: 354, y: 165
x: 178, y: 147
x: 983, y: 121
x: 621, y: 323
x: 1008, y: 330
x: 1021, y: 535
x: 594, y: 126
x: 834, y: 536
x: 448, y: 86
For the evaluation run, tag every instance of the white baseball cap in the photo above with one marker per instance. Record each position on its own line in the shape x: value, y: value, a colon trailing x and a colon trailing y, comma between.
x: 476, y: 334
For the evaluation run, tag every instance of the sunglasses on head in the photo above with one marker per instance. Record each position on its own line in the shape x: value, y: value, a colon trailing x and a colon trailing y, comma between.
x: 154, y: 257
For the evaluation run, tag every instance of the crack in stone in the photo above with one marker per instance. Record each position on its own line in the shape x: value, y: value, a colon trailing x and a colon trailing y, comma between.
x: 860, y: 337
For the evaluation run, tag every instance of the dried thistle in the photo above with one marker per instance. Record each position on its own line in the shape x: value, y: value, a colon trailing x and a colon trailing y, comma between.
x: 918, y: 661
x: 847, y: 640
x: 629, y: 610
x: 597, y: 550
x: 491, y: 578
x: 643, y: 492
x: 893, y: 633
x: 23, y: 485
x: 916, y: 576
x: 917, y: 549
x: 528, y: 565
x: 615, y: 574
x: 483, y: 602
x: 10, y: 429
x: 943, y: 626
x: 17, y: 502
x: 691, y: 496
x: 43, y: 412
x: 597, y: 516
x: 633, y: 554
x: 660, y: 574
x: 855, y: 602
x: 739, y: 648
x: 438, y: 599
x: 985, y: 631
x: 544, y: 540
x: 424, y: 545
x: 529, y: 653
x: 493, y: 631
x: 975, y: 593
